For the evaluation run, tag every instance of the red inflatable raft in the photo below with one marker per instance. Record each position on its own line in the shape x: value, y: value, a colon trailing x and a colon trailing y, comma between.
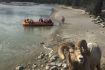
x: 28, y: 22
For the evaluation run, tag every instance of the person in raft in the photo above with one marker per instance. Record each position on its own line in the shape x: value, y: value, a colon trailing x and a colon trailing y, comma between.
x: 26, y: 20
x: 41, y: 19
x: 50, y: 21
x: 63, y: 19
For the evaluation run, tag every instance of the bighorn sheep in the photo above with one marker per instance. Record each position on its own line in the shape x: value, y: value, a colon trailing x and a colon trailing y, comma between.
x: 81, y: 56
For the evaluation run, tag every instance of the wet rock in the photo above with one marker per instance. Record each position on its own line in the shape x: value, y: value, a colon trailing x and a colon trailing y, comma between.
x: 50, y: 54
x: 53, y: 68
x: 47, y: 67
x: 101, y: 20
x: 53, y: 58
x: 28, y: 67
x: 90, y: 16
x: 42, y: 43
x: 34, y: 66
x: 63, y: 69
x: 64, y: 65
x: 93, y: 20
x: 42, y: 65
x: 64, y: 61
x: 59, y: 64
x: 52, y: 63
x: 98, y: 18
x: 98, y: 21
x: 45, y: 61
x: 102, y: 24
x: 46, y: 55
x: 41, y: 55
x: 19, y: 68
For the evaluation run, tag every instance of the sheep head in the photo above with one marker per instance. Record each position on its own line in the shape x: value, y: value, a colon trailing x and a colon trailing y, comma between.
x: 82, y: 45
x: 76, y: 52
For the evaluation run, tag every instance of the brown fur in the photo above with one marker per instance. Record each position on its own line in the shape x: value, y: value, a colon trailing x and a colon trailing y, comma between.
x: 77, y: 56
x: 82, y: 44
x: 62, y: 46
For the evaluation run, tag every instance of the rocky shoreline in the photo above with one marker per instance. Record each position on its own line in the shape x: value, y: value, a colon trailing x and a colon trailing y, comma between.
x: 98, y: 20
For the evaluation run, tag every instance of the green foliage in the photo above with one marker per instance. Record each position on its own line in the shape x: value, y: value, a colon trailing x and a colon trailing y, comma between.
x: 67, y: 2
x: 98, y: 7
x: 92, y: 6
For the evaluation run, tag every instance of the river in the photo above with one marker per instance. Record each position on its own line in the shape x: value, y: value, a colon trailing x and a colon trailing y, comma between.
x: 16, y: 41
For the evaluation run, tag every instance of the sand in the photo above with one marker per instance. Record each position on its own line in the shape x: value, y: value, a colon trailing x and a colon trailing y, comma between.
x: 78, y: 25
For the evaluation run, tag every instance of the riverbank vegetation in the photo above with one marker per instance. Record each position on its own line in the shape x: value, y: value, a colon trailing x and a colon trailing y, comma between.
x: 92, y: 6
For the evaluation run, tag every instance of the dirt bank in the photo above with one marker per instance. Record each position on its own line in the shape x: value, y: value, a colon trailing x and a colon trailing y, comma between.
x: 79, y: 25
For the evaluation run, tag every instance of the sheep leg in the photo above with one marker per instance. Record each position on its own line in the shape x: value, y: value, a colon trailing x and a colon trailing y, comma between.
x: 98, y: 67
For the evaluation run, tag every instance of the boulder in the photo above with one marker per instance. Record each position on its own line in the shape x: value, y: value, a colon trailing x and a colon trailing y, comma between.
x: 53, y: 68
x: 47, y: 67
x: 64, y: 65
x: 20, y: 68
x: 59, y: 64
x: 41, y: 55
x: 53, y: 58
x: 34, y: 66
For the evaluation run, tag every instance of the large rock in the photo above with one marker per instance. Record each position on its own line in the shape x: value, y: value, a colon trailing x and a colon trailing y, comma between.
x: 41, y: 55
x: 53, y: 68
x: 19, y: 68
x: 59, y: 64
x: 63, y: 69
x: 64, y: 65
x: 102, y: 24
x: 34, y: 66
x: 53, y: 58
x: 47, y: 67
x: 52, y: 64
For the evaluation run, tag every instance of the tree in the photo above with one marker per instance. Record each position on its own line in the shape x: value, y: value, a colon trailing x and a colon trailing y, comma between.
x: 98, y: 7
x: 92, y: 6
x: 66, y: 2
x: 76, y: 2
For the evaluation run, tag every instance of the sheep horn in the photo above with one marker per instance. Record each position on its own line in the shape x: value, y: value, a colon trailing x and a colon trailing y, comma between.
x: 62, y: 47
x: 61, y: 50
x: 83, y: 43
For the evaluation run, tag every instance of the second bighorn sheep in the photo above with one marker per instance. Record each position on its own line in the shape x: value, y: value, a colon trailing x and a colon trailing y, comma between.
x: 81, y: 56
